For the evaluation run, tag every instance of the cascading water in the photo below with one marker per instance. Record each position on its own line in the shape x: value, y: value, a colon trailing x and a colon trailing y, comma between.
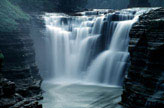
x: 90, y: 48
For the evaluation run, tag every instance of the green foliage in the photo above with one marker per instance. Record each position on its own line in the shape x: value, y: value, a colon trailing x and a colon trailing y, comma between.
x: 50, y: 5
x: 9, y: 15
x: 36, y: 5
x: 1, y: 56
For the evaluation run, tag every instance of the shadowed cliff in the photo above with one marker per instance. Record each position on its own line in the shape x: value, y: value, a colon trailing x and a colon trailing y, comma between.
x: 20, y: 81
x: 144, y: 84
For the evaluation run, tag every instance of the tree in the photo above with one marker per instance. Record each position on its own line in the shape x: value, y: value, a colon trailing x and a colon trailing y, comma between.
x: 139, y: 3
x: 71, y: 5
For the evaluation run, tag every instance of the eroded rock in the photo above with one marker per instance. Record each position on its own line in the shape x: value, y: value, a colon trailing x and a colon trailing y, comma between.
x: 143, y: 86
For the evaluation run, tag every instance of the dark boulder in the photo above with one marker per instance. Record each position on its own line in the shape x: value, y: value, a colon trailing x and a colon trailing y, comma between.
x: 8, y: 88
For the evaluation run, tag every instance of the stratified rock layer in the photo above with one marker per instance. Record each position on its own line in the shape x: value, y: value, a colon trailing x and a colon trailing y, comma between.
x: 144, y: 84
x: 22, y: 87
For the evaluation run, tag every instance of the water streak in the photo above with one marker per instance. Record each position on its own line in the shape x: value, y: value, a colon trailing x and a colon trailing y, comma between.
x: 89, y: 48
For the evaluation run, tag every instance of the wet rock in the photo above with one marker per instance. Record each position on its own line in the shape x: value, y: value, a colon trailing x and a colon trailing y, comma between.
x: 8, y: 88
x: 143, y: 86
x: 15, y: 99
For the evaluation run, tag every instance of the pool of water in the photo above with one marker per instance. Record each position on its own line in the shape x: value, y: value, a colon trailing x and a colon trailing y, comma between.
x: 80, y: 96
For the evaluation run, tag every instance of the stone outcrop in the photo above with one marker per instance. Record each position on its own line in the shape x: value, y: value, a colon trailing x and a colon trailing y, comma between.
x: 20, y: 85
x: 144, y: 84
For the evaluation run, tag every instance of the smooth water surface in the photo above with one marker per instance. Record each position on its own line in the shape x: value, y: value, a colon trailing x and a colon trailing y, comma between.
x: 80, y: 96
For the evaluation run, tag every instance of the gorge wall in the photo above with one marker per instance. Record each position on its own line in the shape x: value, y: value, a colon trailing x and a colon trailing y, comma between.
x: 144, y: 84
x: 20, y: 81
x: 20, y: 68
x: 20, y: 85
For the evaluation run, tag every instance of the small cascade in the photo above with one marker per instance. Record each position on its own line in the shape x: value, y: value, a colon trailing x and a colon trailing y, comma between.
x: 91, y: 48
x: 114, y: 59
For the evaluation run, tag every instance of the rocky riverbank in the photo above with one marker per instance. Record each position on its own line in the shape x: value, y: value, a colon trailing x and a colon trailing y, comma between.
x: 144, y: 84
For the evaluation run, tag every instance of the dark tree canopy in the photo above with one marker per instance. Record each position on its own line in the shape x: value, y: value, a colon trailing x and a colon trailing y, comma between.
x: 36, y: 5
x: 51, y: 5
x: 80, y: 5
x: 71, y: 5
x: 139, y: 3
x: 107, y: 4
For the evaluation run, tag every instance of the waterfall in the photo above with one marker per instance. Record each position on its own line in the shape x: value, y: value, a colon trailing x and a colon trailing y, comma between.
x: 90, y: 48
x: 108, y: 67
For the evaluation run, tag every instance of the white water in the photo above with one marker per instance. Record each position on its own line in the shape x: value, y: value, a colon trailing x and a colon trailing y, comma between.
x: 83, y: 49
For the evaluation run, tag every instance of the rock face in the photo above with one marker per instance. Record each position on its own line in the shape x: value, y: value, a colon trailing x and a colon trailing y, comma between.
x: 22, y: 89
x: 144, y: 84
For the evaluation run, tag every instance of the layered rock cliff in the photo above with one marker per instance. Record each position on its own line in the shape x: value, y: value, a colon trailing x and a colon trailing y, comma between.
x: 144, y: 84
x: 19, y: 78
x: 23, y: 84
